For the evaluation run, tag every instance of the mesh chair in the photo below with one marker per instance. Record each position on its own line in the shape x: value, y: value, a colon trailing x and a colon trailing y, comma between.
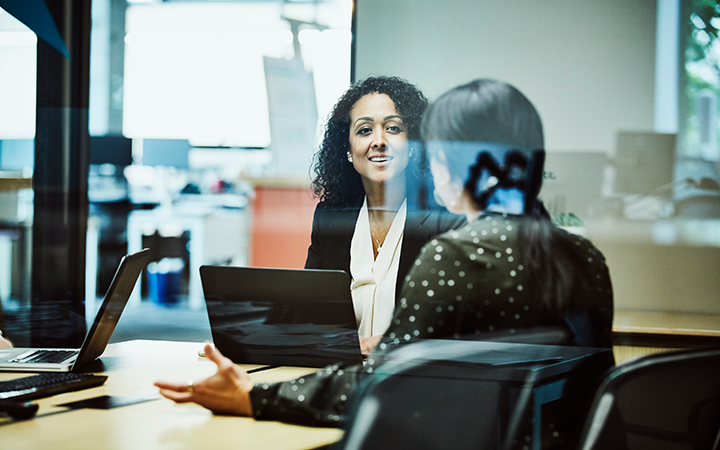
x: 666, y: 401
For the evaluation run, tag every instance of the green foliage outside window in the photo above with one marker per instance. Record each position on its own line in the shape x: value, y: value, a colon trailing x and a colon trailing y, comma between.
x: 702, y: 61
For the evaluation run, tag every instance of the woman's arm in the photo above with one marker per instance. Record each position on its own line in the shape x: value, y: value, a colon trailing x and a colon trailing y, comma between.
x: 313, y: 256
x: 318, y: 399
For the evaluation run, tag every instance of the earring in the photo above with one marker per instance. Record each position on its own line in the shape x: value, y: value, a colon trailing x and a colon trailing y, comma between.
x: 349, y: 157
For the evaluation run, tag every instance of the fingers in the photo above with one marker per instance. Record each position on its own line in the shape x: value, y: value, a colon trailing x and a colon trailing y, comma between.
x: 214, y: 355
x: 225, y: 365
x: 180, y: 393
x: 171, y: 386
x: 210, y: 352
x: 177, y: 397
x: 227, y: 391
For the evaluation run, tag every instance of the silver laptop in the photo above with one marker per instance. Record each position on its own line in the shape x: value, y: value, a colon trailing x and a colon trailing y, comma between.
x: 67, y: 360
x: 281, y: 317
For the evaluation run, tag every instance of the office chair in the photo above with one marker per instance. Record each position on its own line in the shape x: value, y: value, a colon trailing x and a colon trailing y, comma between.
x: 430, y: 397
x: 662, y: 401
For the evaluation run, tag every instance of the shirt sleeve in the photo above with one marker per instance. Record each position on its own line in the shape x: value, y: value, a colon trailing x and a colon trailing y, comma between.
x: 313, y: 255
x: 318, y: 399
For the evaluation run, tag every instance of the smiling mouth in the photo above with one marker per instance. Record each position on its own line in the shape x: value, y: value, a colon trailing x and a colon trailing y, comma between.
x: 382, y: 158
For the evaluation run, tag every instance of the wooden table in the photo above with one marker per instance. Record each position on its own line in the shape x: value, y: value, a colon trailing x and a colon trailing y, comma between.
x: 638, y: 333
x: 667, y: 323
x: 132, y: 367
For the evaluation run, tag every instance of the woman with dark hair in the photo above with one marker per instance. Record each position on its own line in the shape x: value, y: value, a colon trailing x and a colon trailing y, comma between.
x: 507, y: 270
x: 515, y: 268
x: 365, y: 224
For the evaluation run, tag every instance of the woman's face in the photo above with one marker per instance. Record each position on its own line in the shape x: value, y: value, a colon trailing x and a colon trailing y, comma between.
x: 447, y: 192
x: 378, y: 140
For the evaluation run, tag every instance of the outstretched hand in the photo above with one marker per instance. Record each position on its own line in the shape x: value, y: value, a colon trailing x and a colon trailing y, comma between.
x: 228, y: 391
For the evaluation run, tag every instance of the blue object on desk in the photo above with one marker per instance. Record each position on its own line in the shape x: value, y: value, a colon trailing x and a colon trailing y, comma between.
x: 164, y: 280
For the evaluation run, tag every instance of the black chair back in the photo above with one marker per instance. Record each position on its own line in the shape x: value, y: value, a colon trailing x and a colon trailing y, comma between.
x: 665, y: 401
x: 467, y: 395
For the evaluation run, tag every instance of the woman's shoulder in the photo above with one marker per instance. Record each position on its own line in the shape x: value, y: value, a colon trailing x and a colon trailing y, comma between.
x: 578, y: 242
x: 335, y: 215
x: 335, y: 205
x: 492, y: 232
x: 490, y: 227
x: 326, y: 209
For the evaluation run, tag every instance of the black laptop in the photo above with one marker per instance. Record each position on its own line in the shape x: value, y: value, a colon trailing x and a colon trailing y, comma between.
x: 66, y: 360
x: 281, y: 317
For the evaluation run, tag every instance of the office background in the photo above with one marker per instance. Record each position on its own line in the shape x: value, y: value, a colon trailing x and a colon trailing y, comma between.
x: 594, y: 71
x: 607, y: 78
x: 588, y: 68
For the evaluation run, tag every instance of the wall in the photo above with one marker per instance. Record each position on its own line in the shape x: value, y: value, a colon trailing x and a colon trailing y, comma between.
x: 587, y: 66
x: 281, y: 225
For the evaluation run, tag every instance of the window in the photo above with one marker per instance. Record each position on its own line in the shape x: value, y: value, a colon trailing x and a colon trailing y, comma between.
x: 702, y: 55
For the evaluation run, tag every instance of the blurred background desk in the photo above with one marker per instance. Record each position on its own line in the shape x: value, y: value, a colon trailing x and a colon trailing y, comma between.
x: 665, y: 282
x: 132, y: 367
x: 16, y: 220
x: 668, y: 265
x: 216, y: 235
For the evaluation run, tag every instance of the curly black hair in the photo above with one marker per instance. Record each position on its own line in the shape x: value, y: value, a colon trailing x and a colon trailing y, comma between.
x: 336, y: 182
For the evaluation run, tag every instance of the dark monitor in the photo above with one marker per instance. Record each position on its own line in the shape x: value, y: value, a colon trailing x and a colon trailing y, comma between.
x: 283, y: 317
x: 115, y: 150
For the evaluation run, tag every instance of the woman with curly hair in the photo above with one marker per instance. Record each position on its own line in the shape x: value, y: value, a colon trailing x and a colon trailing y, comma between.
x: 365, y: 224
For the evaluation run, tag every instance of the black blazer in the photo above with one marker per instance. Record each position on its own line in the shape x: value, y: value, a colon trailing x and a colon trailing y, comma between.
x: 333, y: 229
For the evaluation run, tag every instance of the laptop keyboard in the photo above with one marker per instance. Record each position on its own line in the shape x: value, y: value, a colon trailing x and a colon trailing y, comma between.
x: 43, y: 356
x: 47, y: 384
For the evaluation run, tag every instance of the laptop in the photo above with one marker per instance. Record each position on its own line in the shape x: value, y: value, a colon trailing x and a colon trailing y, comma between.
x: 281, y: 317
x: 70, y: 360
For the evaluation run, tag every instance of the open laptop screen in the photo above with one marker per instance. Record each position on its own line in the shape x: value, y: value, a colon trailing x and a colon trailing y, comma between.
x: 287, y: 317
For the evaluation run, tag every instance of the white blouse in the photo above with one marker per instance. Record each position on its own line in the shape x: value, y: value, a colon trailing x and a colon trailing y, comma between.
x: 374, y: 280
